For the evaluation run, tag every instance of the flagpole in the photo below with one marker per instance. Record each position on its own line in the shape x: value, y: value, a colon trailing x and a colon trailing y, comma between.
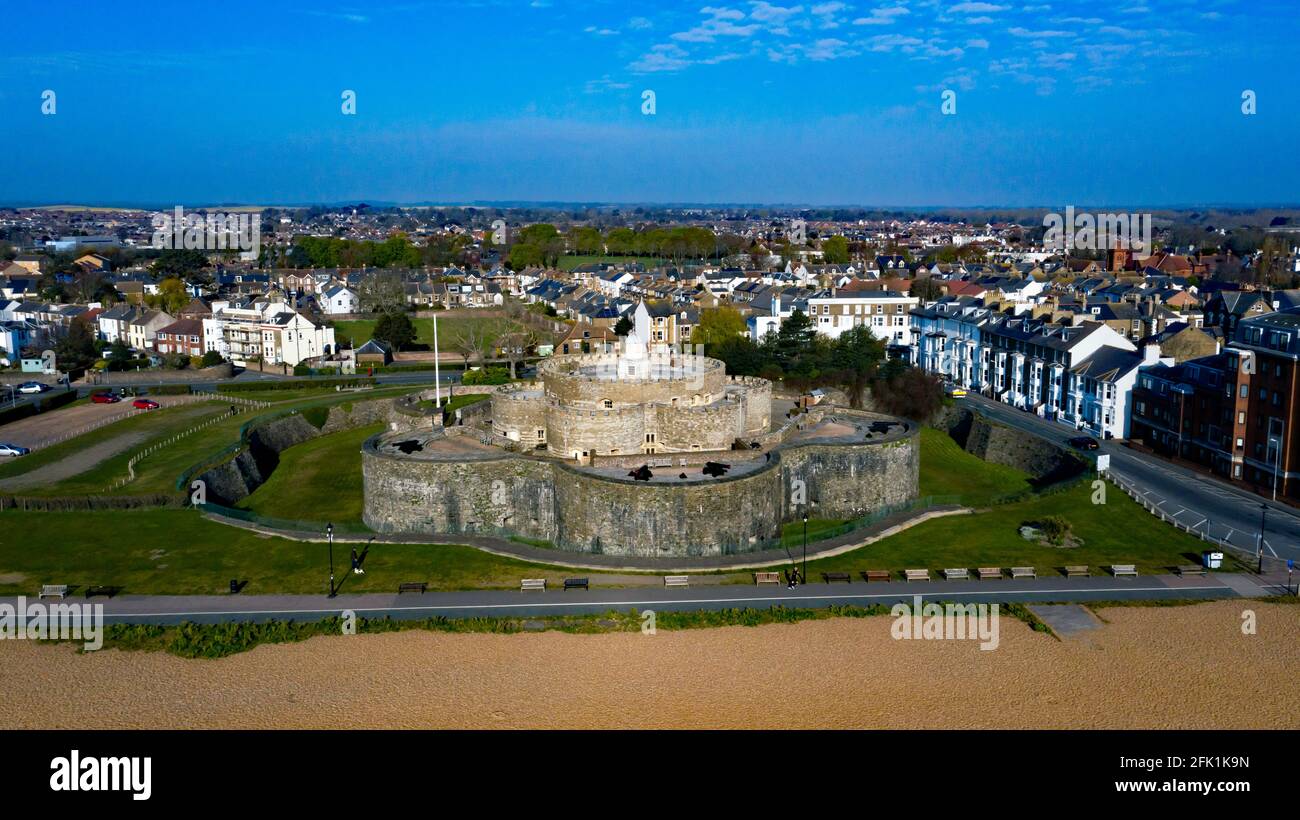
x: 437, y: 377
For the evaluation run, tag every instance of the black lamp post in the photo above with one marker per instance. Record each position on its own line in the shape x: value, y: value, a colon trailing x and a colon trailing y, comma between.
x: 329, y: 532
x: 805, y: 547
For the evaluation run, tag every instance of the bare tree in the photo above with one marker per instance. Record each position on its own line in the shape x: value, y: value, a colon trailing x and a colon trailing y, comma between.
x: 471, y: 342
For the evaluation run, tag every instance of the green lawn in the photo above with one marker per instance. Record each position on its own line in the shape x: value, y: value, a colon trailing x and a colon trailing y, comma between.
x: 317, y: 481
x: 1118, y: 531
x: 947, y: 469
x: 360, y: 330
x: 178, y: 552
x: 452, y: 405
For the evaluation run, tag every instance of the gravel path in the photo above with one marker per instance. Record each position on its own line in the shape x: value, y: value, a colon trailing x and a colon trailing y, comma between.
x: 75, y: 464
x: 1148, y: 667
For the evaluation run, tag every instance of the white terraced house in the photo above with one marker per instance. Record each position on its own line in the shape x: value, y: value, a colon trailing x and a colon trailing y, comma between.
x: 270, y: 330
x: 885, y: 312
x: 1080, y: 375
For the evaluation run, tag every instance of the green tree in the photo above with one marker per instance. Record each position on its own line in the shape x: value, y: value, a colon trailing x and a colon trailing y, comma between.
x: 717, y: 324
x: 855, y: 356
x: 835, y: 250
x: 396, y: 329
x: 77, y: 350
x: 624, y: 326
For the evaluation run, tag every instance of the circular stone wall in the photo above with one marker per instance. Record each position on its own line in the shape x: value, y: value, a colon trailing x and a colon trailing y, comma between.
x: 455, y: 485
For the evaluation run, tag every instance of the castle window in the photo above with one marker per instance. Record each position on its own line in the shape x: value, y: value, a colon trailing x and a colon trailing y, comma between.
x: 607, y: 404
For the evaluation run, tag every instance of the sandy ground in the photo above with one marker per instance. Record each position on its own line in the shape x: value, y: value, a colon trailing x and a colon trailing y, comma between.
x: 1150, y: 667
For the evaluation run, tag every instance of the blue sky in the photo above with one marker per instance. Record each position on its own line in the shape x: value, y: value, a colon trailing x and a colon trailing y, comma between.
x: 1135, y: 102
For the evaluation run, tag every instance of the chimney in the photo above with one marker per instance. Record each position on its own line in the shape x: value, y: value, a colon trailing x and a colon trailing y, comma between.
x: 1150, y: 353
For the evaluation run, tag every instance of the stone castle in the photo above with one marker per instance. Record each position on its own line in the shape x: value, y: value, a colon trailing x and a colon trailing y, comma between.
x: 551, y: 460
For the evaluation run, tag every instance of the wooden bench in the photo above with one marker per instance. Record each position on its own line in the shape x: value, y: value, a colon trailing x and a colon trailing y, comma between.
x: 575, y: 583
x: 1123, y: 569
x: 100, y: 589
x: 1191, y: 569
x: 870, y: 575
x: 1023, y: 572
x: 831, y: 577
x: 676, y: 581
x: 956, y: 574
x: 412, y: 586
x: 527, y: 584
x: 54, y: 591
x: 989, y: 573
x: 1077, y: 572
x: 917, y: 574
x: 767, y: 578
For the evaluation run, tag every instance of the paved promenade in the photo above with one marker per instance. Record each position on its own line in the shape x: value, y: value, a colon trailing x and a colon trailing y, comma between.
x: 510, y: 603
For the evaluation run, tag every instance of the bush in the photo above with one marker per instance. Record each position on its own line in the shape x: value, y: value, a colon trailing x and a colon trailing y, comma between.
x: 211, y: 359
x: 259, y: 386
x: 488, y: 375
x: 1053, y: 527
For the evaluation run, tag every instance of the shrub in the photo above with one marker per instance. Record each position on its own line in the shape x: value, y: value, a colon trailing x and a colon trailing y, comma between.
x: 1053, y: 527
x: 488, y: 375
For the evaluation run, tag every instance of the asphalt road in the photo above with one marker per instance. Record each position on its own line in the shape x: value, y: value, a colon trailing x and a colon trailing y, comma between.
x: 1192, y: 499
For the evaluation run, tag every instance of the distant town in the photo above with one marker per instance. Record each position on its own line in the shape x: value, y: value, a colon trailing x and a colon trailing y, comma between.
x: 1116, y: 341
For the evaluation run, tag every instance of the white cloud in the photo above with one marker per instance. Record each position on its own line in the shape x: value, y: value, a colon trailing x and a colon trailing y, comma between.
x: 977, y: 8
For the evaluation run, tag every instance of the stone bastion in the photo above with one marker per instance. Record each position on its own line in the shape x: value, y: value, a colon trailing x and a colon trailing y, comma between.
x: 833, y: 463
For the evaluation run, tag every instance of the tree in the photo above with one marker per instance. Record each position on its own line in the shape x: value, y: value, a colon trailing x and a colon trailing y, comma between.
x: 179, y: 262
x: 77, y: 350
x: 927, y: 289
x: 835, y: 250
x: 716, y: 325
x: 624, y: 326
x: 211, y: 359
x: 381, y: 292
x: 118, y: 355
x: 856, y: 355
x: 908, y: 391
x: 396, y: 329
x: 172, y: 296
x: 470, y: 341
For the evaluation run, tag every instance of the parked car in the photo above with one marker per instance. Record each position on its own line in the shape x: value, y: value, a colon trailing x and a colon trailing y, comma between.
x: 105, y: 398
x: 955, y: 391
x: 1084, y: 443
x: 145, y: 404
x: 13, y: 450
x: 33, y: 387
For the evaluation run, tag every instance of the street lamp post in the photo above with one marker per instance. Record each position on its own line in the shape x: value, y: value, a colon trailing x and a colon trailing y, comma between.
x: 329, y: 532
x: 805, y: 547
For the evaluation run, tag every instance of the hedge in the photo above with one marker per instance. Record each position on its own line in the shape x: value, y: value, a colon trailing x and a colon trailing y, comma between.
x: 259, y: 386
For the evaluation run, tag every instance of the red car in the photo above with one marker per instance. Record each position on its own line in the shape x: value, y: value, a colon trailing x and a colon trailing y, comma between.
x: 105, y: 398
x: 144, y: 404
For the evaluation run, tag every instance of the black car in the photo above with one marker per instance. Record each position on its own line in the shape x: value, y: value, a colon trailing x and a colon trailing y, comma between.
x: 1084, y: 443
